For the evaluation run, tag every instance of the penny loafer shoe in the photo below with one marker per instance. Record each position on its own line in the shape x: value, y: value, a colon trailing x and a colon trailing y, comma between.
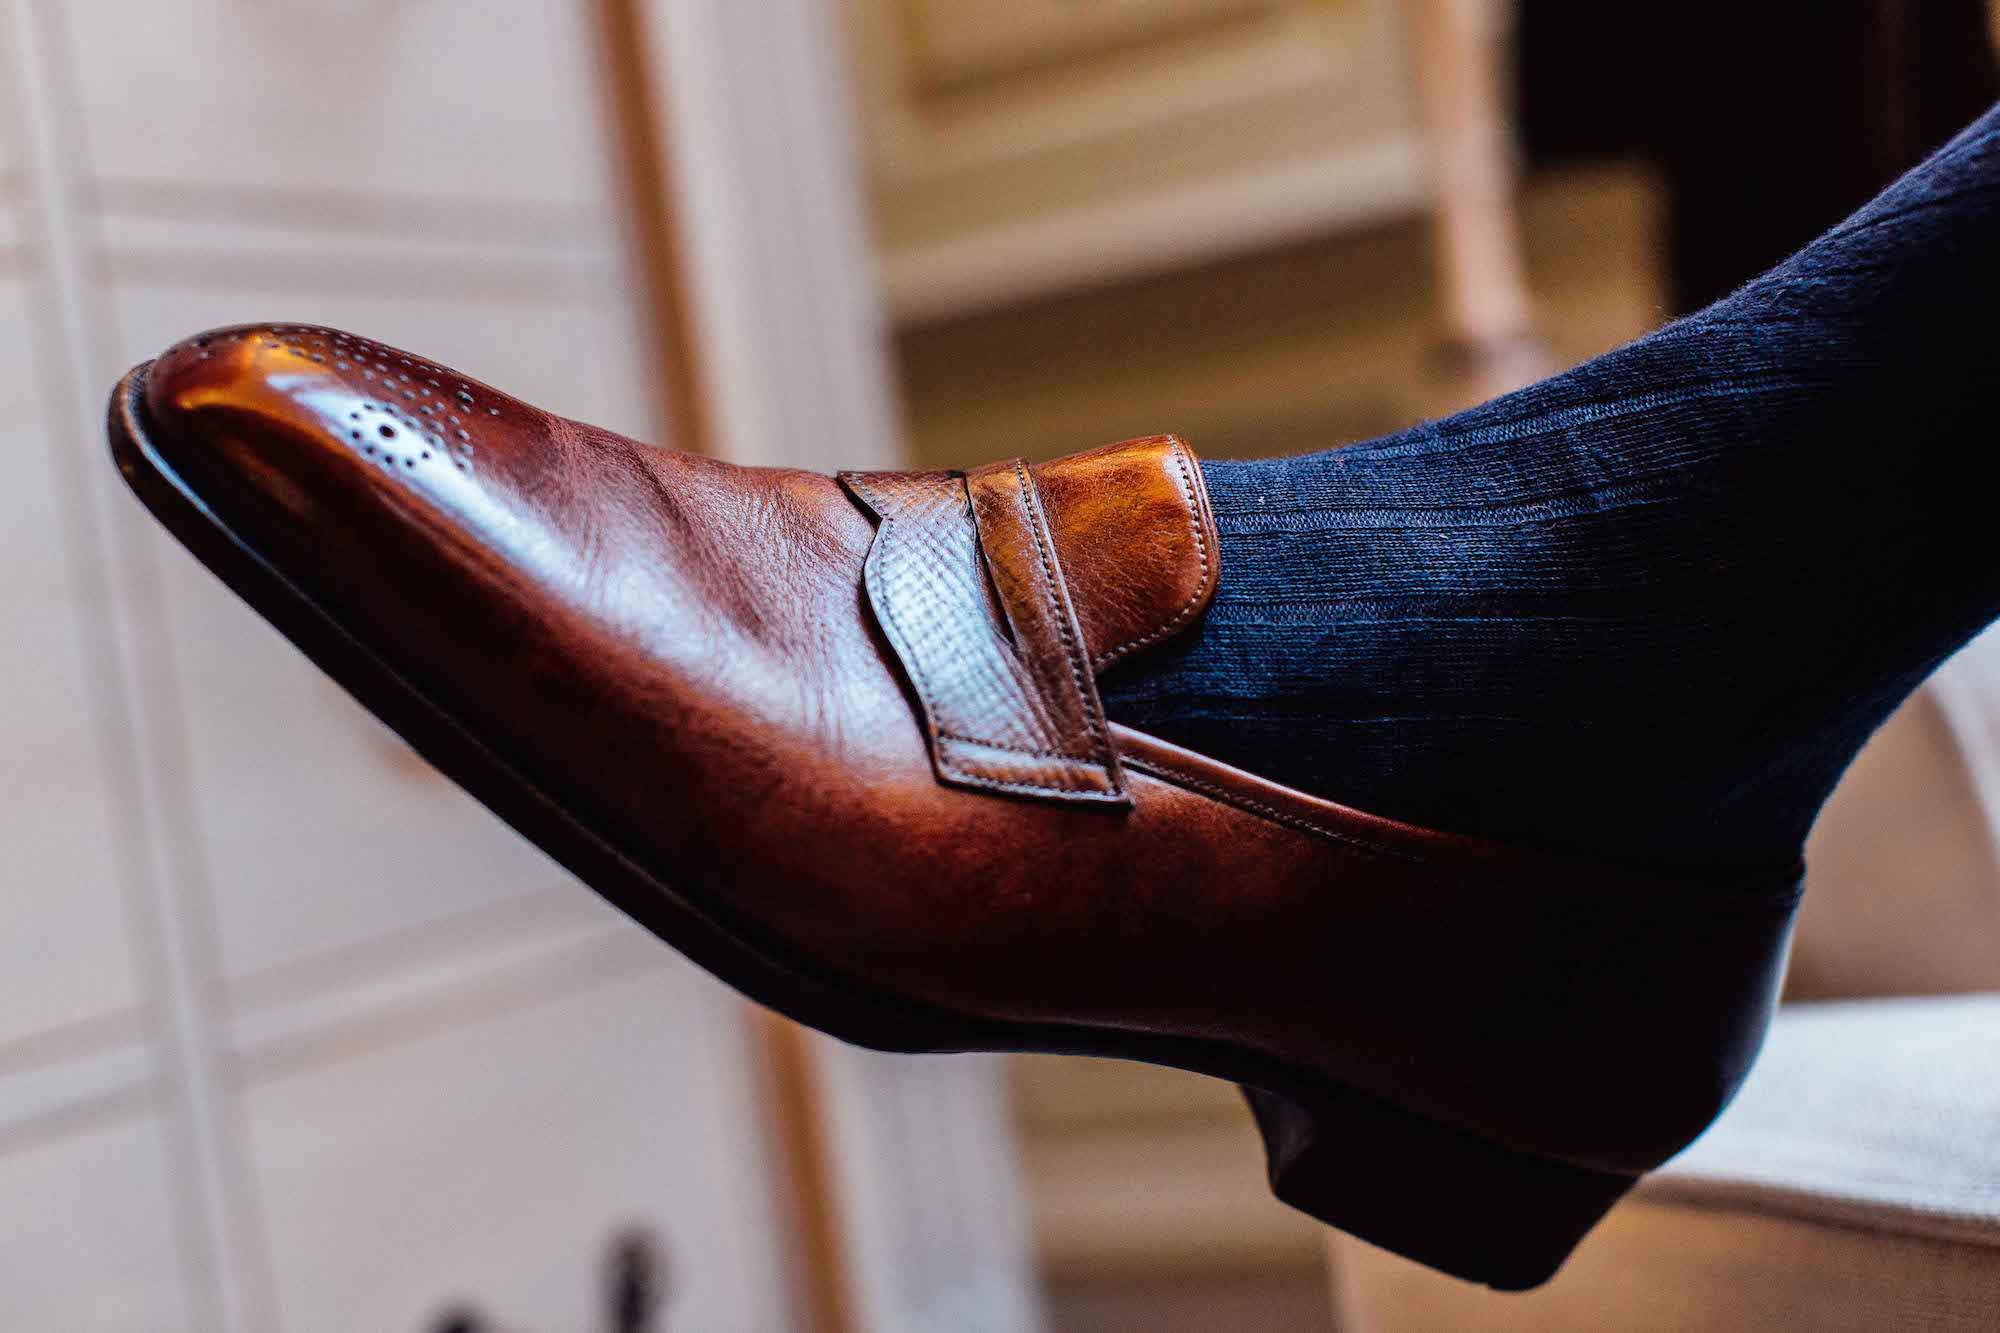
x: 838, y: 739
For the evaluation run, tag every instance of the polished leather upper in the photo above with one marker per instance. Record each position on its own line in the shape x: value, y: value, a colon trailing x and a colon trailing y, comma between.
x: 860, y: 716
x: 966, y: 579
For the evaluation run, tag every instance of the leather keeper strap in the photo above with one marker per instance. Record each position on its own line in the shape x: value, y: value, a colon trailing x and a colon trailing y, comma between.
x: 964, y: 583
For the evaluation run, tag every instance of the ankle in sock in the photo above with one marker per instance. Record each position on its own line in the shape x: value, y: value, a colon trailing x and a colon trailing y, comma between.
x: 1646, y: 610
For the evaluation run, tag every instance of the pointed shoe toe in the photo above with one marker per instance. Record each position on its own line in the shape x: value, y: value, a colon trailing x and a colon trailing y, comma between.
x: 287, y: 416
x: 839, y: 740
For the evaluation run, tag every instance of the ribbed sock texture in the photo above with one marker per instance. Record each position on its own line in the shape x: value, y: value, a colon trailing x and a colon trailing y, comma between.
x: 1648, y: 609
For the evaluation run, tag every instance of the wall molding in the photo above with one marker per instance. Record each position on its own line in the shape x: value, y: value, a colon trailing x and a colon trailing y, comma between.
x: 405, y: 275
x: 397, y: 213
x: 335, y: 1026
x: 46, y: 1097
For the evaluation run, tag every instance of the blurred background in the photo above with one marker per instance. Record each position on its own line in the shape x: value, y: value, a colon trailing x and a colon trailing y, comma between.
x: 294, y: 1036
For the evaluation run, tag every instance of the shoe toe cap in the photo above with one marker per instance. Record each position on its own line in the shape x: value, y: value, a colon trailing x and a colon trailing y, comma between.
x: 290, y: 413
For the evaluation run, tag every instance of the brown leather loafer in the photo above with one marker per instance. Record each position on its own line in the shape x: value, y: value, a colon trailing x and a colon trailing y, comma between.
x: 839, y: 741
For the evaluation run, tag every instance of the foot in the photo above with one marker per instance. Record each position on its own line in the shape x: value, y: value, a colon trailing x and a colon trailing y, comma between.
x: 1647, y: 610
x: 841, y: 742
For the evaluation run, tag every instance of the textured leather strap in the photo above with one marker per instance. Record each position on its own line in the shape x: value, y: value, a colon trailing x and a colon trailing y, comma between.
x: 964, y: 583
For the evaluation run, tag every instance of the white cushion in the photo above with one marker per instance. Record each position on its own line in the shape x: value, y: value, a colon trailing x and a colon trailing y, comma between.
x: 1855, y: 1184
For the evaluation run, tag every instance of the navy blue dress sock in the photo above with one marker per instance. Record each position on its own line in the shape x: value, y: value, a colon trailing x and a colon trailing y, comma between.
x: 1649, y: 609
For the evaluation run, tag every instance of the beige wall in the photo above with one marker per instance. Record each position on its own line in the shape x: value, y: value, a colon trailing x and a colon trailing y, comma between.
x: 1903, y: 895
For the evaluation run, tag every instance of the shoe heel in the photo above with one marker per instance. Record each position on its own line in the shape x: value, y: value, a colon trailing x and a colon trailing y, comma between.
x: 1429, y: 1192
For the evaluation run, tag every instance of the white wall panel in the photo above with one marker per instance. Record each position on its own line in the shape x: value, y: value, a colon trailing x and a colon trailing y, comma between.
x: 396, y: 1055
x: 497, y: 1159
x: 90, y: 1242
x: 64, y: 956
x: 336, y: 100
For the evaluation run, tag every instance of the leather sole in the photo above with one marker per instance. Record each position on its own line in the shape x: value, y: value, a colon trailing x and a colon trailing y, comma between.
x: 1426, y: 1190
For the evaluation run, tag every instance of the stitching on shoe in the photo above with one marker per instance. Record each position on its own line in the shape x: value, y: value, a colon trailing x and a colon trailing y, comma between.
x: 1105, y: 659
x: 436, y: 401
x: 1276, y: 816
x: 1738, y: 902
x: 1072, y: 654
x: 1010, y: 749
x: 1107, y: 795
x: 954, y: 767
